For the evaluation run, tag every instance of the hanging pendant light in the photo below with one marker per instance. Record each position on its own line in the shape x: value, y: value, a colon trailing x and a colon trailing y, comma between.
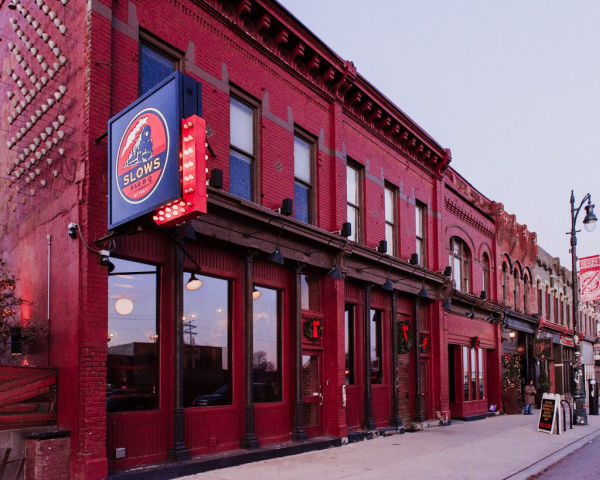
x: 194, y: 283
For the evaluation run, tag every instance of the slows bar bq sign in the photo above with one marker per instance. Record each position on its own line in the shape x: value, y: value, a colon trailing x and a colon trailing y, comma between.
x: 147, y: 173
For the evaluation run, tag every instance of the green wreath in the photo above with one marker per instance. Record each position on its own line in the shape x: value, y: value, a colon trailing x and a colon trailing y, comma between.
x: 310, y: 329
x: 405, y: 337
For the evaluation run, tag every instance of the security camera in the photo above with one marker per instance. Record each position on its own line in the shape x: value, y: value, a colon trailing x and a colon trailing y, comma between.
x: 73, y: 230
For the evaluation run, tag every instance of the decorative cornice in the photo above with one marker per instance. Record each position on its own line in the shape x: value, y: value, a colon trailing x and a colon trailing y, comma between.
x: 278, y: 32
x: 468, y: 218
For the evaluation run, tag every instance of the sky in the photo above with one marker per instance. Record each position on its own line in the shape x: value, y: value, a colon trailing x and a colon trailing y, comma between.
x: 511, y: 87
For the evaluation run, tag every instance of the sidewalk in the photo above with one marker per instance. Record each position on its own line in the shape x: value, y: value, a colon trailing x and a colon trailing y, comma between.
x: 501, y: 447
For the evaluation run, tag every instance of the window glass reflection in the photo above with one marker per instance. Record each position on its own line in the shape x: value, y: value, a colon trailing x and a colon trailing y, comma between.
x: 132, y: 363
x: 376, y: 347
x: 207, y: 340
x: 154, y: 67
x: 267, y: 347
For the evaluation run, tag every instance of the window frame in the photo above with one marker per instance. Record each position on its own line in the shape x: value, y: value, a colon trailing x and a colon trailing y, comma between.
x: 156, y: 373
x: 229, y: 306
x: 357, y: 230
x: 279, y: 331
x: 254, y: 157
x: 485, y: 268
x: 305, y: 137
x: 160, y: 47
x: 350, y: 342
x: 463, y: 255
x: 421, y: 241
x: 393, y: 223
x: 376, y: 344
x: 516, y: 290
x: 476, y: 381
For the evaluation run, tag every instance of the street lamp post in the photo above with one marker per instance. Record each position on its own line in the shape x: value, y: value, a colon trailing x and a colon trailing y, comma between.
x: 589, y: 222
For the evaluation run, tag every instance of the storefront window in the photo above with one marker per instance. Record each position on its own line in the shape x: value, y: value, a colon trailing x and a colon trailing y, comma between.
x: 349, y: 342
x: 207, y: 343
x: 309, y: 286
x: 376, y: 347
x: 480, y: 369
x: 132, y: 363
x: 473, y: 373
x: 465, y: 364
x: 267, y: 346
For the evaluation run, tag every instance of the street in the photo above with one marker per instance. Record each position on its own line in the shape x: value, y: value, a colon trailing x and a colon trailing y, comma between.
x: 583, y: 463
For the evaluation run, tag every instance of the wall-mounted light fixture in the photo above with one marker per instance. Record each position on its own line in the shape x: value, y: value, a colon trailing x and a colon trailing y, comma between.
x: 346, y: 230
x: 104, y: 260
x: 512, y: 334
x: 470, y: 314
x: 216, y: 178
x: 483, y: 295
x: 287, y: 207
x: 335, y: 272
x: 383, y: 246
x: 447, y: 271
x: 276, y: 256
x: 414, y: 259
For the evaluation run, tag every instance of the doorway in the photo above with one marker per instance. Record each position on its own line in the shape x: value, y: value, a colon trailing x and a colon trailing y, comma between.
x: 312, y: 393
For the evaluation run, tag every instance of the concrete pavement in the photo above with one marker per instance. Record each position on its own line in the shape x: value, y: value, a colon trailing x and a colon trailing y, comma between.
x: 500, y: 447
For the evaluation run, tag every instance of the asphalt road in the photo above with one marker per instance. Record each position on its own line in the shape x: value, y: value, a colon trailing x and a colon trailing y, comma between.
x: 581, y: 464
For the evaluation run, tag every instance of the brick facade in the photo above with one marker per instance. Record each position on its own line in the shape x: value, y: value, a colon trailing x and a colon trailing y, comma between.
x: 258, y: 51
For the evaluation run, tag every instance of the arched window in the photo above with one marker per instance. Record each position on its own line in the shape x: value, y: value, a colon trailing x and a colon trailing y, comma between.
x: 516, y: 294
x: 485, y: 266
x: 460, y: 259
x: 504, y: 283
x: 526, y: 287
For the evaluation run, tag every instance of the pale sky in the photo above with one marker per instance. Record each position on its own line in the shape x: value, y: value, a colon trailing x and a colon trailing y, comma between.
x: 511, y: 87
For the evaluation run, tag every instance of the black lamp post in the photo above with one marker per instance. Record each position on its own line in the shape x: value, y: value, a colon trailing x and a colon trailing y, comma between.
x: 589, y: 222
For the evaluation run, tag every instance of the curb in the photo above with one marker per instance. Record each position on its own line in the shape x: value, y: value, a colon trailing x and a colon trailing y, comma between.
x: 549, y: 460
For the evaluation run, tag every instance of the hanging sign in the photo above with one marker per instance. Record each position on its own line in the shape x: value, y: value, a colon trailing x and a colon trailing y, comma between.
x: 542, y: 348
x: 144, y: 142
x: 549, y: 413
x: 589, y: 278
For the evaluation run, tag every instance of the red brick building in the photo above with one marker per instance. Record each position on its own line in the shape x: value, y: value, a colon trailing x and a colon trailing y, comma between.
x: 295, y: 326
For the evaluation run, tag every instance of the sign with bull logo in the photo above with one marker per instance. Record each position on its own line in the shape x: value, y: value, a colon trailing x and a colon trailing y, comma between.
x: 144, y: 147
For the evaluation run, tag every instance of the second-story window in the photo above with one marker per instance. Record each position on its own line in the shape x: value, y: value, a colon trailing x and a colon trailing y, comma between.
x: 504, y: 283
x: 420, y: 231
x: 242, y: 156
x: 390, y: 219
x: 540, y: 299
x: 516, y: 293
x: 460, y: 259
x: 303, y: 179
x: 485, y: 266
x: 353, y: 203
x: 156, y: 62
x: 526, y: 287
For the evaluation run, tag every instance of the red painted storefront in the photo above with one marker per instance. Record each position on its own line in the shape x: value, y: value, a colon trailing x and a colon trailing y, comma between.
x: 344, y: 379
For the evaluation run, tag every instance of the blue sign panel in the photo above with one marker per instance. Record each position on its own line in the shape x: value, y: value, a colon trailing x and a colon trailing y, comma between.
x: 144, y: 144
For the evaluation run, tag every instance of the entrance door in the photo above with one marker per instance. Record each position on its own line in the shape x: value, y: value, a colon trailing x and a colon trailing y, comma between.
x: 312, y: 393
